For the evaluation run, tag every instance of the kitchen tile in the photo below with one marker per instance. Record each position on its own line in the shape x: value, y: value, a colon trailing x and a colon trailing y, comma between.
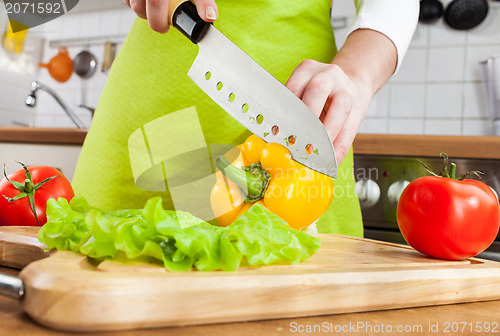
x: 90, y: 24
x: 475, y: 101
x: 443, y: 35
x: 70, y: 25
x: 24, y: 118
x: 53, y: 29
x: 374, y: 125
x: 48, y: 106
x: 63, y: 121
x: 407, y: 100
x: 9, y: 96
x: 476, y: 54
x: 4, y: 117
x: 443, y: 126
x: 421, y: 36
x: 477, y: 127
x: 406, y: 126
x: 446, y: 64
x: 93, y: 97
x: 488, y: 31
x: 6, y: 77
x: 44, y: 121
x: 379, y: 106
x: 444, y: 100
x: 127, y: 20
x: 111, y: 22
x: 413, y: 67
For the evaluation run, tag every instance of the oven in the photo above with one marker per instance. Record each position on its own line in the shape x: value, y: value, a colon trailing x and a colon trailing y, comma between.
x: 381, y: 179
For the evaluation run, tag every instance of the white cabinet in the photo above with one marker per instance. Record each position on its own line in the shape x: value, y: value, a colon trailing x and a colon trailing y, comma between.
x: 62, y: 157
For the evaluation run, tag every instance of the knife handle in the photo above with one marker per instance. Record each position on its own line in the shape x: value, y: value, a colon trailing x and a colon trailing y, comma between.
x: 184, y: 16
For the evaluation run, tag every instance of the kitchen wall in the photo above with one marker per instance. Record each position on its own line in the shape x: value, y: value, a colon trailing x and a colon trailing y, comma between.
x: 16, y: 73
x: 438, y: 89
x: 81, y: 23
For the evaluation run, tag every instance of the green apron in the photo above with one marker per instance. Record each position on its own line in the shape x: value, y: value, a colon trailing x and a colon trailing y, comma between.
x: 148, y: 80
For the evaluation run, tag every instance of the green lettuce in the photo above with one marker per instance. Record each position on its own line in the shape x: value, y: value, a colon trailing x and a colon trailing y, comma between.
x: 178, y: 240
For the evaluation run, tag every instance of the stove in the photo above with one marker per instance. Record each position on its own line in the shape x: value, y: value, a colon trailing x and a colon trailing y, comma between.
x: 381, y: 179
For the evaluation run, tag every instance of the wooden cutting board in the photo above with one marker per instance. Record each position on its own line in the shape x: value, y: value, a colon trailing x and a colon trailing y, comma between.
x: 71, y: 292
x: 19, y: 246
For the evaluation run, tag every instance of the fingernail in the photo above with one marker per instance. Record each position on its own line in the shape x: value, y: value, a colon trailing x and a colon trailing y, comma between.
x: 210, y: 12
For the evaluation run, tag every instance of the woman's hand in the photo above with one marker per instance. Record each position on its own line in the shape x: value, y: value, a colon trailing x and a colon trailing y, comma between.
x: 156, y: 12
x: 340, y: 93
x: 336, y: 99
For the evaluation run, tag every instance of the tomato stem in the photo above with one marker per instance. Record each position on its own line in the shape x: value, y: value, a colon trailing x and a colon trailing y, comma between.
x: 449, y: 170
x: 453, y: 168
x: 27, y: 189
x: 28, y: 186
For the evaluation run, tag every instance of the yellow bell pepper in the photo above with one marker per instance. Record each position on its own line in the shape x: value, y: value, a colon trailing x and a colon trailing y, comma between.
x: 266, y: 173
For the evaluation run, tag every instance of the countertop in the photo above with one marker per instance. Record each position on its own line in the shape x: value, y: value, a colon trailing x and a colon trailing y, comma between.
x: 13, y: 321
x: 38, y: 135
x: 480, y: 147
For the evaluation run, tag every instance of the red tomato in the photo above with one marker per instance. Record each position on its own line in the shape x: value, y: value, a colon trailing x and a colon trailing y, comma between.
x: 447, y: 218
x: 19, y: 212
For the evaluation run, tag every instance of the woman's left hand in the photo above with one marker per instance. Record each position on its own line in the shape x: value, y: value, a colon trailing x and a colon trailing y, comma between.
x: 336, y: 99
x: 340, y: 93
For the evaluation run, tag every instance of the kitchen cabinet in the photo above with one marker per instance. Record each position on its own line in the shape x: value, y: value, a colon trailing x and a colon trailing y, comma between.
x: 55, y: 147
x: 61, y: 157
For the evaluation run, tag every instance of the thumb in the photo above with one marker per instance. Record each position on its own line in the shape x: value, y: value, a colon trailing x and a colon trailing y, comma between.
x: 207, y: 10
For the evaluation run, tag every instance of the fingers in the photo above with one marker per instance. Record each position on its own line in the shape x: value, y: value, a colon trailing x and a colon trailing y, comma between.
x: 301, y: 76
x: 156, y: 12
x: 139, y: 7
x: 207, y: 10
x: 157, y: 15
x: 344, y: 139
x: 333, y: 97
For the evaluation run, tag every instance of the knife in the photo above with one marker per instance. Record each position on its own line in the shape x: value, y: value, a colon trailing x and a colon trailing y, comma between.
x: 251, y: 95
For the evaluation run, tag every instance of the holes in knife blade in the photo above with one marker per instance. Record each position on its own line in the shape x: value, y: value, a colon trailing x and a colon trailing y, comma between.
x: 220, y: 86
x: 208, y: 75
x: 309, y: 149
x: 232, y: 97
x: 275, y: 130
x: 245, y: 108
x: 291, y: 140
x: 260, y: 119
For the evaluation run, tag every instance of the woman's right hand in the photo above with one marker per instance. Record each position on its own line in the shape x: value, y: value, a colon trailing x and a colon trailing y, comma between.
x: 156, y: 12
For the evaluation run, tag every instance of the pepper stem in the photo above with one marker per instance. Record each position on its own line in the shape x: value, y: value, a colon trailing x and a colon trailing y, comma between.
x: 252, y: 179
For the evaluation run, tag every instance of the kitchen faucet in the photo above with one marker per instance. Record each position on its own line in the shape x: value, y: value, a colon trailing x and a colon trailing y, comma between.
x: 31, y: 101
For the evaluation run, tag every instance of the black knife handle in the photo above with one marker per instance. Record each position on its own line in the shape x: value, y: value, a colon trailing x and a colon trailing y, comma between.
x: 188, y: 22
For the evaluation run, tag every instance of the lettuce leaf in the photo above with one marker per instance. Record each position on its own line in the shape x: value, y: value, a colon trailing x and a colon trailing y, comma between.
x: 177, y: 239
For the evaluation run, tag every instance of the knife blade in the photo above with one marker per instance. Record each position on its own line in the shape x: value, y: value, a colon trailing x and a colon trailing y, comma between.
x: 251, y: 95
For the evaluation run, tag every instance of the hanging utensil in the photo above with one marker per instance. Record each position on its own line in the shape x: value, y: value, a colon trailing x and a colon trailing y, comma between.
x: 109, y: 55
x: 465, y: 14
x: 85, y: 65
x: 430, y: 11
x: 60, y: 66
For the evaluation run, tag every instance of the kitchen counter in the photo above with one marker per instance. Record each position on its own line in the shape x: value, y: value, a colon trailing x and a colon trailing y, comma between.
x: 481, y: 147
x: 38, y: 135
x: 13, y: 321
x: 478, y: 147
